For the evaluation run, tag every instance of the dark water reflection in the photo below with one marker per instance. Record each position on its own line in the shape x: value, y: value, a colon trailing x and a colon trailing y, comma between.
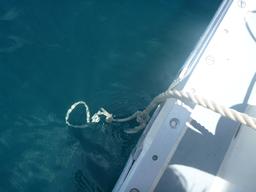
x: 116, y: 54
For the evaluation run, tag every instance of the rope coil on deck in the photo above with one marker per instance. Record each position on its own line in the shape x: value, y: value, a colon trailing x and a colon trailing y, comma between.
x: 142, y: 117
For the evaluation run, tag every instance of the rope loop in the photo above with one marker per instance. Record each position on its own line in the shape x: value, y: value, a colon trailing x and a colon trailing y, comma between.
x: 142, y: 117
x: 72, y: 108
x: 89, y: 120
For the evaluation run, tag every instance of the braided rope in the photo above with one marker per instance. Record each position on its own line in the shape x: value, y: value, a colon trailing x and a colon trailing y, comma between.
x: 222, y: 110
x: 142, y: 117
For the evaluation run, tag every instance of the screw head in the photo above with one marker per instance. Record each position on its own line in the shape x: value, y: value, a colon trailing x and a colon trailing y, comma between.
x: 174, y: 122
x: 154, y: 157
x: 210, y: 60
x: 241, y: 3
x: 134, y: 190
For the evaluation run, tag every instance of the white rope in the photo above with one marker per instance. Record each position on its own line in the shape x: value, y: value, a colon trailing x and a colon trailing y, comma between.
x: 89, y: 120
x: 142, y: 117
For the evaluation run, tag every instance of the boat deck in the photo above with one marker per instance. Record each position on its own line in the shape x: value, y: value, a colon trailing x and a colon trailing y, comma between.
x: 192, y: 154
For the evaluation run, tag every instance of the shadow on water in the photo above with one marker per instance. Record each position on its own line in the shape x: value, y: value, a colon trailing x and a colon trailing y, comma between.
x: 83, y: 184
x: 101, y: 157
x: 44, y: 151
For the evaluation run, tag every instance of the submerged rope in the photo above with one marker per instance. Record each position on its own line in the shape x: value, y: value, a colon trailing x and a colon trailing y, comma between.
x: 142, y: 117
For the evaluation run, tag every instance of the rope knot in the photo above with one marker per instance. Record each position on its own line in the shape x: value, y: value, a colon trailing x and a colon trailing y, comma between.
x: 108, y: 116
x: 109, y: 119
x: 142, y: 117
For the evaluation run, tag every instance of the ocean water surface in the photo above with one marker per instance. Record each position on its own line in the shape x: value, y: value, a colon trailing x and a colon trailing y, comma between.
x: 115, y: 54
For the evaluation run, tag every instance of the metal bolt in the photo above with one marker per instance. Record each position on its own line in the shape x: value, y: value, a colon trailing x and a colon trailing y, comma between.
x: 193, y: 90
x: 210, y: 60
x: 226, y: 30
x: 134, y: 190
x: 241, y: 3
x: 174, y: 122
x: 154, y: 157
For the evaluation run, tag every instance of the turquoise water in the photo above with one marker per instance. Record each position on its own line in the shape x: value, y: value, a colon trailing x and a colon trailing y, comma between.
x: 115, y: 54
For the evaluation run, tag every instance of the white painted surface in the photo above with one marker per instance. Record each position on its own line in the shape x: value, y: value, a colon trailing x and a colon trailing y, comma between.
x: 224, y: 70
x: 194, y: 180
x: 239, y: 165
x: 226, y: 77
x: 147, y: 171
x: 225, y: 73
